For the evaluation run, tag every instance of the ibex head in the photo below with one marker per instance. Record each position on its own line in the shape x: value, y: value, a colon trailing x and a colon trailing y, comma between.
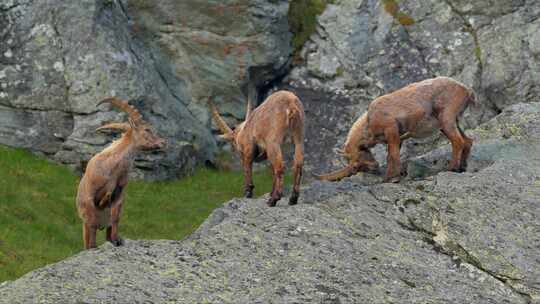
x: 356, y: 151
x: 144, y: 137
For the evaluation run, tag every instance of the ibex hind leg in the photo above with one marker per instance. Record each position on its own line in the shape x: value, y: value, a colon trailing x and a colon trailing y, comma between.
x: 458, y: 143
x: 468, y: 142
x: 297, y: 169
x: 116, y: 212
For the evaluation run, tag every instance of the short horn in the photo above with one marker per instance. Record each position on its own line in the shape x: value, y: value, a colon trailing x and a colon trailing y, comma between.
x: 222, y: 125
x: 124, y: 127
x: 123, y: 105
x: 337, y: 175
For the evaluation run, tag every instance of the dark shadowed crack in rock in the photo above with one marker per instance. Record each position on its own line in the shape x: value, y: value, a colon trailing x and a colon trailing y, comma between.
x: 442, y: 243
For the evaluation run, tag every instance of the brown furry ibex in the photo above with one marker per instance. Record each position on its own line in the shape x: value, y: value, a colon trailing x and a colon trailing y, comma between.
x: 416, y: 111
x: 261, y: 135
x: 101, y: 191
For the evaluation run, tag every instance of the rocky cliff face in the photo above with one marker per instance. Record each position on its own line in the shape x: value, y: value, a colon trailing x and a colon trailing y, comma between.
x: 58, y: 59
x: 363, y: 49
x: 447, y: 238
x: 170, y: 57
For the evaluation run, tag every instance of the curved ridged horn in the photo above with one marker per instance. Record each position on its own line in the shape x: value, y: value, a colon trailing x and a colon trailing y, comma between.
x: 340, y: 151
x: 337, y: 175
x: 132, y: 112
x: 122, y: 126
x: 222, y: 125
x: 250, y: 90
x: 248, y: 110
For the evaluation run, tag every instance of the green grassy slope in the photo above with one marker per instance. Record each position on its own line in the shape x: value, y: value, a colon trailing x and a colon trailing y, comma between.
x: 39, y: 223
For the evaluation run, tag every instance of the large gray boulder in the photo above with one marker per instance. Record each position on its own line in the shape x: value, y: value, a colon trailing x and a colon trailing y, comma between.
x: 450, y: 238
x: 58, y: 59
x: 360, y: 51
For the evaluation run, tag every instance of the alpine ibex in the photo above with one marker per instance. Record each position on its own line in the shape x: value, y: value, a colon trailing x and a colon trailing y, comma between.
x: 101, y: 191
x: 416, y: 111
x: 261, y: 135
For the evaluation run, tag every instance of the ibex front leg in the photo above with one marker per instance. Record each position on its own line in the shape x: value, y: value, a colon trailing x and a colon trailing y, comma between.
x: 247, y: 163
x: 393, y: 162
x: 116, y: 211
x: 297, y: 169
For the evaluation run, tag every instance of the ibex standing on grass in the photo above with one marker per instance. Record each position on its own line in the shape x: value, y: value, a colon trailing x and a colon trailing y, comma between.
x: 417, y: 111
x: 261, y: 135
x: 101, y: 190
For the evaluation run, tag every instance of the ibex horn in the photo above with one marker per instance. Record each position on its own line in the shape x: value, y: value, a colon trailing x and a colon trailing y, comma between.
x: 133, y: 113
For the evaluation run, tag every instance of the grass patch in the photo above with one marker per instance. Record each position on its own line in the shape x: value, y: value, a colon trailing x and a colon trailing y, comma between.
x: 303, y: 21
x: 39, y: 222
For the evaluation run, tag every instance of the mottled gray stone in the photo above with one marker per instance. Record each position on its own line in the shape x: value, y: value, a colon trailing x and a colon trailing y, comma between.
x: 167, y: 58
x: 452, y: 238
x: 361, y: 52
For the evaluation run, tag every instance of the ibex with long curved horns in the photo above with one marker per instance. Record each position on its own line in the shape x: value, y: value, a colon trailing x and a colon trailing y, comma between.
x: 261, y: 135
x: 417, y: 110
x: 101, y: 191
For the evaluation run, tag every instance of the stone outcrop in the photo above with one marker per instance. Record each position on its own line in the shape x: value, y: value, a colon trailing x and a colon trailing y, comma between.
x: 447, y: 238
x: 58, y: 59
x: 361, y: 50
x: 170, y: 57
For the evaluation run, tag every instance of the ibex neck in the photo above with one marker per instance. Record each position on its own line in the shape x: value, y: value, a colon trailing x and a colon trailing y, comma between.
x: 123, y: 148
x: 356, y: 135
x: 129, y: 148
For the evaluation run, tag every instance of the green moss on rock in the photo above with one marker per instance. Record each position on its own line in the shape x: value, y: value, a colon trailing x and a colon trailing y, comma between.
x: 392, y: 8
x: 303, y: 20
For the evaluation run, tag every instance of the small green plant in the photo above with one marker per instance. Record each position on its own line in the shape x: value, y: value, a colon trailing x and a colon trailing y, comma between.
x: 303, y: 20
x: 392, y: 8
x: 340, y: 71
x: 39, y: 222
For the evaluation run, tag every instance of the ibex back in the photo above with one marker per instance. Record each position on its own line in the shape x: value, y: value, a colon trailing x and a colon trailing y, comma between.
x: 261, y: 136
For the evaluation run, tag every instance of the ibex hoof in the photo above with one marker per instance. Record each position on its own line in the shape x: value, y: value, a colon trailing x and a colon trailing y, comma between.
x: 293, y: 200
x: 248, y: 194
x: 271, y: 202
x: 118, y: 242
x: 394, y: 179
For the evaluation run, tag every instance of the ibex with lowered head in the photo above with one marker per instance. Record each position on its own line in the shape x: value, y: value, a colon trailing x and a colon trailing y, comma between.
x: 416, y: 111
x: 261, y: 135
x: 101, y: 191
